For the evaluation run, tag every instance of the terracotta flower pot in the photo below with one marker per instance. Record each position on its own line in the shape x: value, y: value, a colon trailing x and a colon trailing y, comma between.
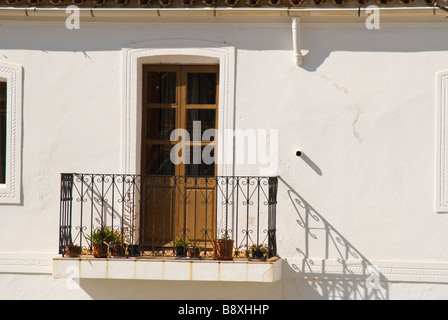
x: 133, y: 250
x: 223, y: 249
x: 180, y: 252
x: 100, y: 250
x: 73, y: 251
x: 117, y: 250
x: 194, y: 252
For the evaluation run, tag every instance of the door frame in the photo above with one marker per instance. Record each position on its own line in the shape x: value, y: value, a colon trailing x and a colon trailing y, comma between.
x: 180, y: 51
x: 183, y: 52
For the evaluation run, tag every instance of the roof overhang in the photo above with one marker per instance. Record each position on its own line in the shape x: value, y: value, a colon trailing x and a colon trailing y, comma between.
x: 223, y: 14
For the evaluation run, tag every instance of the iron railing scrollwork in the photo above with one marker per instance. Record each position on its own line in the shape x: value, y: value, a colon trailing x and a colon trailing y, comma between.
x: 152, y: 215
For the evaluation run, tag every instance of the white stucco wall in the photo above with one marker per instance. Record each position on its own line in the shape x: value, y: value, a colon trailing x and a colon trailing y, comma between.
x: 362, y: 108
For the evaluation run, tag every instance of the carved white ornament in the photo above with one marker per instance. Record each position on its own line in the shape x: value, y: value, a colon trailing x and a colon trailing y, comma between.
x: 442, y: 145
x: 10, y: 192
x: 132, y: 60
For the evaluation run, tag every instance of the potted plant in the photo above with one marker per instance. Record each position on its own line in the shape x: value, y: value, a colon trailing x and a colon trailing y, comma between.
x: 258, y: 251
x: 133, y: 250
x: 100, y: 239
x: 180, y: 246
x: 130, y: 229
x: 237, y: 252
x: 194, y: 252
x: 223, y: 248
x: 117, y: 246
x: 72, y: 250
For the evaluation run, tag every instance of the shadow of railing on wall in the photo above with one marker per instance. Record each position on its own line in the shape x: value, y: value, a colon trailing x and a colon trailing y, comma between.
x: 344, y: 272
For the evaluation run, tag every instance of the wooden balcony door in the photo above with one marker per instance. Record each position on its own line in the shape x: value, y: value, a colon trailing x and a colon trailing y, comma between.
x: 179, y: 199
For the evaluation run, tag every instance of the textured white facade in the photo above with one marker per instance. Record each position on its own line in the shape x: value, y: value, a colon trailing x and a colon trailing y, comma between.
x: 360, y: 215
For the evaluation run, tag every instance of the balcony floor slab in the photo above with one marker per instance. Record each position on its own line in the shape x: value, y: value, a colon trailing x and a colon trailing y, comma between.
x: 168, y: 269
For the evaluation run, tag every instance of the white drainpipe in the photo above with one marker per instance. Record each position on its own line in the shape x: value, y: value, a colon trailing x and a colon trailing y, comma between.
x: 296, y: 40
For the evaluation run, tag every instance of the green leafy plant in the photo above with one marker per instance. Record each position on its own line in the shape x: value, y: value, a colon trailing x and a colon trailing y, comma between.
x: 101, y: 235
x: 180, y: 246
x: 117, y: 245
x: 118, y: 237
x: 179, y: 242
x: 129, y: 216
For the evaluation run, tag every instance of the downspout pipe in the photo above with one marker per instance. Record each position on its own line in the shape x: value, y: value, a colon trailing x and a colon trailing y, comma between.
x: 298, y: 58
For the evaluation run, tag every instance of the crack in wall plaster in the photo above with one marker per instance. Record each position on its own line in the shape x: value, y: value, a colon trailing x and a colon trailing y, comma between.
x: 336, y: 85
x: 358, y: 110
x: 355, y: 121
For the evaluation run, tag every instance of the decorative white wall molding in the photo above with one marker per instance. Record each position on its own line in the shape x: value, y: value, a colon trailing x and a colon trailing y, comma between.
x: 442, y: 143
x: 10, y: 192
x: 303, y: 269
x: 362, y: 270
x: 184, y: 52
x: 26, y: 263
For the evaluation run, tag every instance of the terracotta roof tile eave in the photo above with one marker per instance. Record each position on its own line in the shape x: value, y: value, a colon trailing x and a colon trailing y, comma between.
x: 198, y: 4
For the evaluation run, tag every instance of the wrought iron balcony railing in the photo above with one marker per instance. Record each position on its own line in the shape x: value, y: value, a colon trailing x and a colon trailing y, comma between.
x: 108, y: 215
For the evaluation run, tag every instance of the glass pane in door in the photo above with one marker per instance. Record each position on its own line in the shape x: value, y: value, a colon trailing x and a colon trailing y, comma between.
x: 158, y: 160
x: 200, y: 120
x: 201, y: 88
x: 201, y: 161
x: 160, y: 123
x: 161, y: 87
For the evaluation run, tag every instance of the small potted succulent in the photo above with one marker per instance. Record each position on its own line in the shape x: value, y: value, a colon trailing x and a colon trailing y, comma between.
x: 130, y: 231
x: 238, y: 252
x: 134, y: 250
x: 100, y: 239
x: 117, y: 246
x: 194, y: 252
x: 258, y: 251
x: 72, y: 250
x: 180, y: 247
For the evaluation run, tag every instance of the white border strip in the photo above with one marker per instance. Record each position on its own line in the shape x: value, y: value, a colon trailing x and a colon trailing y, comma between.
x: 442, y: 143
x: 132, y: 104
x: 10, y: 192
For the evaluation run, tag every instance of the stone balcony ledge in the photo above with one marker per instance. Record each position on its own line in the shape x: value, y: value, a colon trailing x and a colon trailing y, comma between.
x: 168, y: 269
